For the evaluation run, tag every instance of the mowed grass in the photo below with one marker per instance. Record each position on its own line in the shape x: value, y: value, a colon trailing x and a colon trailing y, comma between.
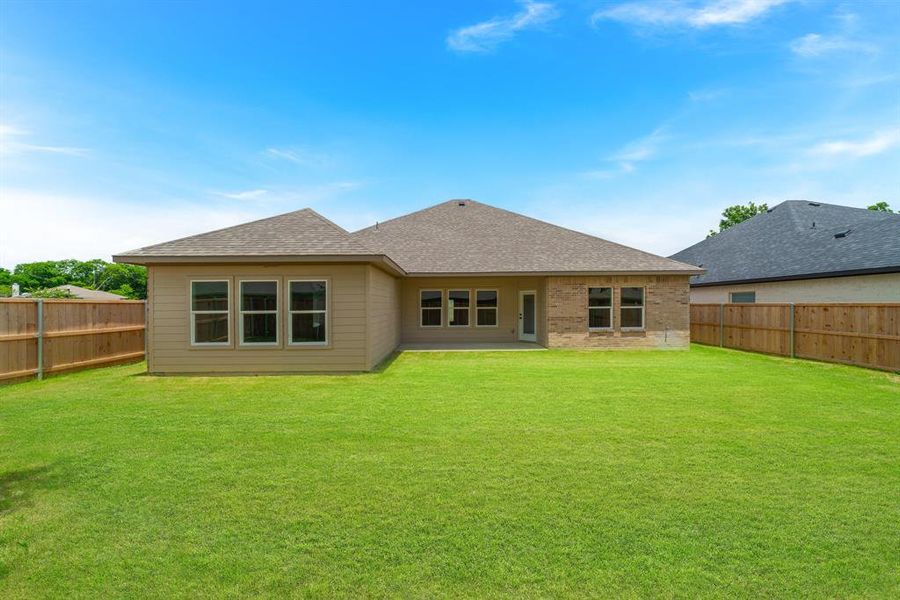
x: 558, y: 473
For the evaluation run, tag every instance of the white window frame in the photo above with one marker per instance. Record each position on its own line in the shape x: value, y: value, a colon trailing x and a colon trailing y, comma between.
x: 194, y: 313
x: 643, y: 308
x: 290, y: 313
x: 451, y: 309
x: 496, y: 309
x: 421, y: 308
x: 612, y: 293
x: 731, y: 296
x: 277, y: 312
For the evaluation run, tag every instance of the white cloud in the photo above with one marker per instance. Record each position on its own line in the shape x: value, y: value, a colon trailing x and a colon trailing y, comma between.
x: 84, y: 228
x: 301, y: 156
x: 875, y: 144
x: 670, y: 13
x: 813, y: 45
x: 486, y: 35
x: 623, y: 160
x: 245, y: 195
x: 10, y: 144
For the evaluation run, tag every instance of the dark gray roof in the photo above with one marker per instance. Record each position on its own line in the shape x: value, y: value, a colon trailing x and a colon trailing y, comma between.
x: 300, y: 233
x: 796, y: 240
x: 464, y: 236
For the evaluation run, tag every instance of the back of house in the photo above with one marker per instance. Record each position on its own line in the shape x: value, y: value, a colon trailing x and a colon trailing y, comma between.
x: 297, y: 293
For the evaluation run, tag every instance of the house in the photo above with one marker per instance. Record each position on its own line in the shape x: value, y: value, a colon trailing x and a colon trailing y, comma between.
x: 801, y: 251
x: 86, y: 294
x: 296, y: 292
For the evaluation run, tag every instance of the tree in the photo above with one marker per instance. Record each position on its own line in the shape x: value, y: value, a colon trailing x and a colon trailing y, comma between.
x: 5, y: 276
x: 51, y: 293
x: 738, y: 214
x: 96, y: 274
x: 881, y: 207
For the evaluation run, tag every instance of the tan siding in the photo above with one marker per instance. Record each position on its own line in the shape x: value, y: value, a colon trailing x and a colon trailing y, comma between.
x: 508, y: 313
x: 666, y: 312
x: 171, y: 351
x: 859, y: 288
x: 383, y: 326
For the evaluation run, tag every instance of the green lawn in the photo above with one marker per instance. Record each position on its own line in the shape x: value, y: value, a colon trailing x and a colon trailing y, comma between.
x: 559, y: 473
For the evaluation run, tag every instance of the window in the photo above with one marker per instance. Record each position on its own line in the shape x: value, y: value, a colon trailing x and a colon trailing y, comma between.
x: 743, y: 297
x: 486, y: 308
x: 210, y: 313
x: 632, y: 309
x: 431, y: 308
x: 308, y: 312
x: 259, y: 313
x: 600, y: 308
x: 458, y: 308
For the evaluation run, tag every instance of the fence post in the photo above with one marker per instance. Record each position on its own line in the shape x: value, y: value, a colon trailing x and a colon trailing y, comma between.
x: 39, y: 306
x: 791, y: 306
x: 721, y: 325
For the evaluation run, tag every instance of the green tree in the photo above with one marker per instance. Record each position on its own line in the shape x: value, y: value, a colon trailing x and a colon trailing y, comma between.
x: 5, y: 277
x: 94, y: 274
x: 51, y: 293
x: 881, y: 207
x: 738, y: 214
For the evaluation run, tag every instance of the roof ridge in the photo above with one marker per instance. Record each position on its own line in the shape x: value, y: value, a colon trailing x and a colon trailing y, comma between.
x: 415, y: 212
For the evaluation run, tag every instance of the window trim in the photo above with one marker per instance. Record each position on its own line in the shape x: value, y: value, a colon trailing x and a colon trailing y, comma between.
x: 241, y: 312
x: 192, y: 313
x: 643, y: 308
x: 496, y: 309
x: 421, y: 308
x: 612, y: 313
x: 289, y: 343
x: 450, y: 310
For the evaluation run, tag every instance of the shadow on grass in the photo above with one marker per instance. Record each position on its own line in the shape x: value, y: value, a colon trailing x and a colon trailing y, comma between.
x: 386, y: 363
x: 17, y: 488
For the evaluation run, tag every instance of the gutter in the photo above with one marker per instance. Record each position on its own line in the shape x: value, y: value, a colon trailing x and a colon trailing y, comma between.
x: 823, y: 275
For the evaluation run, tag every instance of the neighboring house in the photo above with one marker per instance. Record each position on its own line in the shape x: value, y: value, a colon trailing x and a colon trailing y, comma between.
x: 296, y: 292
x: 801, y: 251
x: 86, y: 294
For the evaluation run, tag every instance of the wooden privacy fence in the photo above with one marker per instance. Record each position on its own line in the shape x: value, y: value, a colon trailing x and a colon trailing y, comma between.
x: 867, y: 335
x: 41, y: 336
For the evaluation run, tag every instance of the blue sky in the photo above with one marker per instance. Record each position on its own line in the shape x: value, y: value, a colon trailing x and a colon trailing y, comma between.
x: 124, y: 124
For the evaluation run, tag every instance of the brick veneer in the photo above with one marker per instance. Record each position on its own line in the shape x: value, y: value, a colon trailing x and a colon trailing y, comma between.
x: 666, y: 312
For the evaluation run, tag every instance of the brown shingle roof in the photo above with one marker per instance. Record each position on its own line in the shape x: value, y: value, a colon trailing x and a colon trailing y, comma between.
x: 464, y: 236
x: 458, y: 236
x: 300, y: 233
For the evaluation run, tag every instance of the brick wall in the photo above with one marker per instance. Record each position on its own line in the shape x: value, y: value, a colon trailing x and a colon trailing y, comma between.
x: 666, y: 312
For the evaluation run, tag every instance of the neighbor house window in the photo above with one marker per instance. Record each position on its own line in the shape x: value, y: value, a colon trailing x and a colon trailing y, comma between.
x: 431, y: 308
x: 486, y: 308
x: 259, y: 313
x: 743, y: 297
x: 632, y: 308
x: 600, y: 308
x: 210, y: 310
x: 458, y: 306
x: 308, y: 313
